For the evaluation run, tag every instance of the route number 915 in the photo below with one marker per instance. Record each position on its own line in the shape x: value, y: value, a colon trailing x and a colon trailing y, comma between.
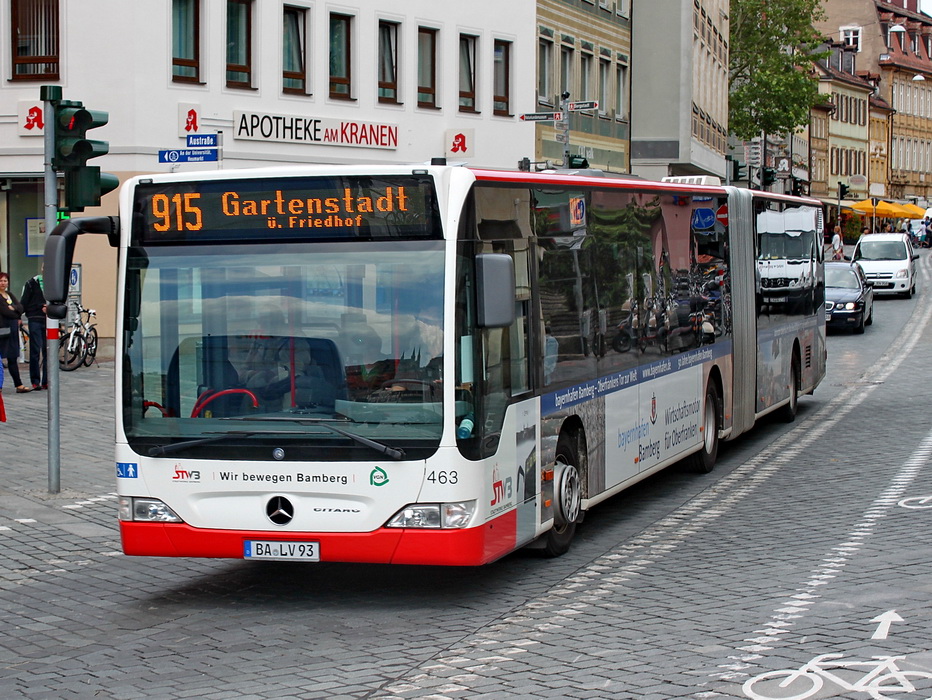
x: 443, y: 477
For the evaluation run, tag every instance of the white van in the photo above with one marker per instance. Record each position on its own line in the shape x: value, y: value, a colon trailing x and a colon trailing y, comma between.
x: 888, y: 261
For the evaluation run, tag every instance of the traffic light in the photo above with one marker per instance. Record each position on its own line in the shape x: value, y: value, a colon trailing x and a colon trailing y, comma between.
x: 797, y: 187
x: 84, y: 184
x: 842, y: 190
x: 738, y: 172
x: 577, y: 163
x: 768, y: 177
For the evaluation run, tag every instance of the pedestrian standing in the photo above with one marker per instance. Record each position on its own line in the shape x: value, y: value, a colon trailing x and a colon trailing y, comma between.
x: 838, y: 249
x: 11, y: 312
x: 33, y: 301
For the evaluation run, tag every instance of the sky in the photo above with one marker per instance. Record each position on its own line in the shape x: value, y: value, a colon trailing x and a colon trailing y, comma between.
x: 926, y: 6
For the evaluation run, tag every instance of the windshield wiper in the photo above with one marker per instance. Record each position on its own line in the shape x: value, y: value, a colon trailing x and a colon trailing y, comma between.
x: 393, y: 452
x: 175, y: 446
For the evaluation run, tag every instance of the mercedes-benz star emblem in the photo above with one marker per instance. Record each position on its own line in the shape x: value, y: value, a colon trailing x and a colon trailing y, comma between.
x: 279, y: 510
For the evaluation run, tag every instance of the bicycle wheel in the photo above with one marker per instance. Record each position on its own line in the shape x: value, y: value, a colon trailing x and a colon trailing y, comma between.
x: 900, y: 685
x: 71, y: 352
x: 783, y: 685
x: 90, y: 345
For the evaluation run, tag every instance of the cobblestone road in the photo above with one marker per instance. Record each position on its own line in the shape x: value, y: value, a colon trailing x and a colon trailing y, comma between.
x: 799, y: 544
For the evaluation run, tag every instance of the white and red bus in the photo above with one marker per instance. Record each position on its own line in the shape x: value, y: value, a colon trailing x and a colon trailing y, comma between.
x: 435, y: 364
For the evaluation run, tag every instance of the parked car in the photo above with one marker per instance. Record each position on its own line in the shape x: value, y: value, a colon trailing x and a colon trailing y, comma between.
x: 849, y: 297
x: 888, y: 261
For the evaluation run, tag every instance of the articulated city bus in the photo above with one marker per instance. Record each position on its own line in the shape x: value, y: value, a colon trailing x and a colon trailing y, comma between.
x: 431, y: 364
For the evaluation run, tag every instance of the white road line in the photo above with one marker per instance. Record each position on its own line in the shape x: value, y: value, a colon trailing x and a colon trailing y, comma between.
x: 605, y: 578
x: 879, y: 508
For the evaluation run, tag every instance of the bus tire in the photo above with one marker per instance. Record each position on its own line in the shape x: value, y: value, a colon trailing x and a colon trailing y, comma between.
x: 704, y: 460
x: 567, y: 496
x: 788, y: 412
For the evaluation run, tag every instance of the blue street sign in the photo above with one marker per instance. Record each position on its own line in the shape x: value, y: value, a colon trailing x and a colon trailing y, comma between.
x: 703, y: 218
x: 188, y: 155
x: 203, y: 141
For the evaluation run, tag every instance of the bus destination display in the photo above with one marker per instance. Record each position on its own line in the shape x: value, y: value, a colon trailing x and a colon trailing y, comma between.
x: 346, y: 207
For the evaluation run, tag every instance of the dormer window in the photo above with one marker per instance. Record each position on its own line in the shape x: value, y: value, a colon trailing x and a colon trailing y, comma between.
x: 851, y: 36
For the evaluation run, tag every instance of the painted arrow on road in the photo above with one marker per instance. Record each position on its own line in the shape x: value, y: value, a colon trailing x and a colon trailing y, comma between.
x: 885, y: 620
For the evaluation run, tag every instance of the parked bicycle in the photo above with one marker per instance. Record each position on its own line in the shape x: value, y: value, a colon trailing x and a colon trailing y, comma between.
x: 78, y: 345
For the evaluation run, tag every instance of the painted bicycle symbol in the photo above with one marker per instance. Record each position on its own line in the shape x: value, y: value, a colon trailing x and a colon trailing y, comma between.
x: 883, y: 680
x: 916, y: 502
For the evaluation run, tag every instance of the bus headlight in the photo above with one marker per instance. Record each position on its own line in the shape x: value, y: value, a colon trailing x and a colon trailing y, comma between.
x: 434, y: 515
x: 146, y: 510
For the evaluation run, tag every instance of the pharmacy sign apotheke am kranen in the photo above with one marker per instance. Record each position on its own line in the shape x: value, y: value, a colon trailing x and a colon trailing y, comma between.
x: 289, y: 128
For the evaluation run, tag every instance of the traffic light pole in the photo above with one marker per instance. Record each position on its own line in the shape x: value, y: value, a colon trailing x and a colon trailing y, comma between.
x: 564, y: 107
x: 51, y: 95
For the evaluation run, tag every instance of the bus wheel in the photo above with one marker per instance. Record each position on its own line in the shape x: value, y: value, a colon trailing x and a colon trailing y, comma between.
x: 788, y: 412
x: 704, y: 459
x: 568, y: 496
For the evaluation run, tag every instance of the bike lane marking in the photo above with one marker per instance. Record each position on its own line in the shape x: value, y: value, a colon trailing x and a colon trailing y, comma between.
x: 465, y: 664
x: 794, y: 607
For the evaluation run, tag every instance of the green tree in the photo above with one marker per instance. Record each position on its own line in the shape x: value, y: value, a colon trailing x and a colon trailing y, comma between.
x: 773, y: 45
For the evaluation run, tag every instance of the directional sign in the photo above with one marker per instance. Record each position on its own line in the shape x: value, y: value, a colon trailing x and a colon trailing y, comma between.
x: 577, y: 106
x: 188, y: 155
x: 541, y: 116
x: 202, y: 141
x: 703, y: 218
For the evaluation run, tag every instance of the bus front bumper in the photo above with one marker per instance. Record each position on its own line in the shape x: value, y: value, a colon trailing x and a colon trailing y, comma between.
x: 466, y: 547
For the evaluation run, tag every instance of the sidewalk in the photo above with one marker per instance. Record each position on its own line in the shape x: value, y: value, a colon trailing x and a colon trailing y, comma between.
x: 86, y: 441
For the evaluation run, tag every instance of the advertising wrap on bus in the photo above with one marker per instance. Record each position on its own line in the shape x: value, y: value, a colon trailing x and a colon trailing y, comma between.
x: 435, y: 364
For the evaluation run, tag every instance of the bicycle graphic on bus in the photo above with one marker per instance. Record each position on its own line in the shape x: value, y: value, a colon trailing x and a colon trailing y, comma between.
x: 882, y: 680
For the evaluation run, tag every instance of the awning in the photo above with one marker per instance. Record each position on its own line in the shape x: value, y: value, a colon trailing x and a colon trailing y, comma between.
x: 834, y: 203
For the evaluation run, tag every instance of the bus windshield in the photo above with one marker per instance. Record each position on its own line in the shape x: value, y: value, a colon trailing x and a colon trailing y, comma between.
x: 276, y: 343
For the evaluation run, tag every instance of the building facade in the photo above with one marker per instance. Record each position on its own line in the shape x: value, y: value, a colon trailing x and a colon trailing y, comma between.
x: 893, y: 39
x: 848, y: 122
x: 679, y: 117
x: 584, y: 55
x: 283, y: 83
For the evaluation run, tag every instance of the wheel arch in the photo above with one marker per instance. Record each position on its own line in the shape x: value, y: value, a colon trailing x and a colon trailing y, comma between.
x: 574, y: 430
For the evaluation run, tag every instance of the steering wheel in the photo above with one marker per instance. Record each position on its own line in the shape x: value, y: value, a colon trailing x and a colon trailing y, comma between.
x: 204, y: 399
x: 146, y: 405
x: 427, y: 389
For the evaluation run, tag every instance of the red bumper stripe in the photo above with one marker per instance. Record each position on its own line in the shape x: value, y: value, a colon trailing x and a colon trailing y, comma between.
x: 471, y: 547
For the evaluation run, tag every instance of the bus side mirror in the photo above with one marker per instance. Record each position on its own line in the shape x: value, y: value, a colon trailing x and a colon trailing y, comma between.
x: 495, y: 285
x: 57, y: 266
x: 59, y: 252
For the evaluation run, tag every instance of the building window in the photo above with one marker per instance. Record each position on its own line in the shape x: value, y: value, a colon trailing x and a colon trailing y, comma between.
x: 388, y: 62
x: 851, y: 36
x: 186, y: 44
x: 501, y: 78
x: 585, y: 76
x: 341, y: 85
x: 544, y: 71
x: 239, y: 43
x: 426, y: 67
x: 604, y: 68
x: 34, y: 45
x: 621, y: 92
x: 566, y: 70
x: 468, y: 73
x: 294, y: 50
